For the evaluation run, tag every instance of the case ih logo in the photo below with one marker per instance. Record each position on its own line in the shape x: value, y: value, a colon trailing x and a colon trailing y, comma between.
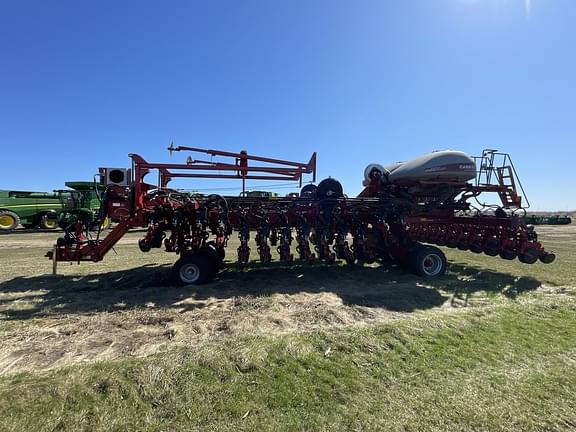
x: 451, y: 167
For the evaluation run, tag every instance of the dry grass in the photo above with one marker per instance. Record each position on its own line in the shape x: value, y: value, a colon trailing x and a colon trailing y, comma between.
x: 304, y: 347
x: 127, y: 305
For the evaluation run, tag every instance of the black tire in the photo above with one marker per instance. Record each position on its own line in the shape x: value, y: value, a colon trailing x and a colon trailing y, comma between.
x: 491, y: 252
x: 144, y: 245
x: 8, y: 220
x: 308, y: 191
x: 530, y: 256
x: 329, y: 188
x: 213, y: 259
x: 547, y: 258
x: 428, y: 262
x: 508, y: 254
x: 220, y: 251
x: 48, y: 223
x: 476, y: 247
x: 492, y: 247
x: 194, y: 269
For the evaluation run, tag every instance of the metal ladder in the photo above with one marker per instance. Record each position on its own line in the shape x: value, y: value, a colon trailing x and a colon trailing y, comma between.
x: 497, y: 169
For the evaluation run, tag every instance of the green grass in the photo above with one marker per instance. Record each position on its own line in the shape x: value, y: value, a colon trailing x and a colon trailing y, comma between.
x: 561, y: 273
x: 490, y: 346
x: 510, y: 367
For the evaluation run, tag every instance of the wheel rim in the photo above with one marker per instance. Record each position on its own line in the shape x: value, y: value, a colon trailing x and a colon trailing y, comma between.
x: 105, y: 223
x: 6, y: 221
x: 432, y: 264
x: 50, y: 224
x: 189, y: 273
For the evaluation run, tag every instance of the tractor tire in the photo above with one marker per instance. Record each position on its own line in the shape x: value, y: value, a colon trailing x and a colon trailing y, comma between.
x: 48, y: 223
x: 8, y: 221
x: 95, y: 227
x: 105, y: 224
x: 192, y: 269
x: 428, y: 262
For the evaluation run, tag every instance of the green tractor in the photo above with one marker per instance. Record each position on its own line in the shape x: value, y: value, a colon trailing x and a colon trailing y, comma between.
x: 81, y: 203
x: 50, y: 210
x: 547, y: 220
x: 31, y: 209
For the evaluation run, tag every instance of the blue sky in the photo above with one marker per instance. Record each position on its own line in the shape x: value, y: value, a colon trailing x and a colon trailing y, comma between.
x: 82, y: 84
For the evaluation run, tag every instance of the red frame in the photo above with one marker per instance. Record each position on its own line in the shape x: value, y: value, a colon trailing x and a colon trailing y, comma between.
x: 277, y: 169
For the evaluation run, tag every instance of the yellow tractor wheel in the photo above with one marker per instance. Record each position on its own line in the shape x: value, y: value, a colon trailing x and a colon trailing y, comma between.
x: 48, y: 223
x: 8, y: 220
x: 105, y: 224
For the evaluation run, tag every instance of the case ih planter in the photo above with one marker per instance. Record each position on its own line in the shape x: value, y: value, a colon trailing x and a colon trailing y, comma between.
x: 403, y: 211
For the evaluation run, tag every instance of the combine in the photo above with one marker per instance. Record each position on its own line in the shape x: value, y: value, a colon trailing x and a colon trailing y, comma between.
x: 47, y: 210
x: 403, y: 213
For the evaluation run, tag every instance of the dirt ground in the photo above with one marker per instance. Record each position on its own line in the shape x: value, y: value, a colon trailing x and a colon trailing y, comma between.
x: 127, y: 304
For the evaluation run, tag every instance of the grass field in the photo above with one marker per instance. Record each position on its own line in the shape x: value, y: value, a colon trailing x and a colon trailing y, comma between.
x: 115, y: 346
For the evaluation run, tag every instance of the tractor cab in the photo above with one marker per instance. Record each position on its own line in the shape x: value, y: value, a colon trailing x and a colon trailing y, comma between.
x: 81, y: 203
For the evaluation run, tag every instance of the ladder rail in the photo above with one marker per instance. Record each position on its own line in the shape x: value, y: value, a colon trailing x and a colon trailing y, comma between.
x: 490, y: 167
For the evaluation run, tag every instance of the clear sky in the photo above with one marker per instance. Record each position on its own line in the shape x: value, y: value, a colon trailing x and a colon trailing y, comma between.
x: 82, y: 84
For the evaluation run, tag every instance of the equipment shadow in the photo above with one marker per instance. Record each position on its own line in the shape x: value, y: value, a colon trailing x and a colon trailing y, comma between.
x: 379, y: 286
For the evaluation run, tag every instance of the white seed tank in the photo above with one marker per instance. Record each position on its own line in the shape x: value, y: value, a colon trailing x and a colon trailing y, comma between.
x: 440, y: 166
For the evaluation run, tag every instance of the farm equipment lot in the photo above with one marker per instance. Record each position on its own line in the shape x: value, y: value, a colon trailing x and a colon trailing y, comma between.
x: 300, y: 347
